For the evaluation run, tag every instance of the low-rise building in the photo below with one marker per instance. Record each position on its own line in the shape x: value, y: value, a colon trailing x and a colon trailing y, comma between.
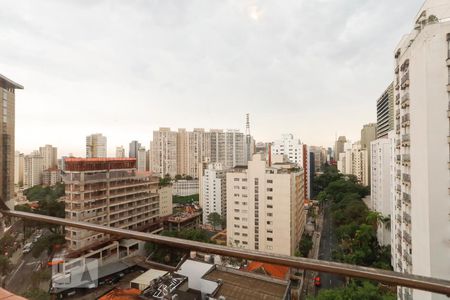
x: 184, y: 187
x: 50, y: 177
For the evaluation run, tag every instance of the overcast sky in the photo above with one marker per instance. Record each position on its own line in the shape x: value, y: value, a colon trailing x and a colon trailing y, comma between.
x: 314, y: 68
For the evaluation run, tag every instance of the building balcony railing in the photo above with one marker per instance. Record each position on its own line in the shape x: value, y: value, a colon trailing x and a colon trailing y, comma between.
x: 407, y: 198
x: 388, y: 277
x: 405, y: 120
x: 407, y: 237
x: 405, y: 140
x: 397, y: 114
x: 399, y: 174
x: 406, y: 218
x: 405, y: 100
x: 407, y: 257
x: 405, y: 81
x: 398, y: 218
x: 398, y: 188
x: 406, y: 178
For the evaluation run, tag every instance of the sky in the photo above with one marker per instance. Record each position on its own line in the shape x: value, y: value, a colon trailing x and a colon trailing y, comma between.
x: 313, y: 68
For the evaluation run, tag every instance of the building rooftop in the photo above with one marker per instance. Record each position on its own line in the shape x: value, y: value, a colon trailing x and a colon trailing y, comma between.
x: 236, y: 286
x: 275, y: 271
x: 94, y: 164
x: 8, y: 83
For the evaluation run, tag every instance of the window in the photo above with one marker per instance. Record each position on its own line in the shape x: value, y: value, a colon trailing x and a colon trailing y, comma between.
x: 236, y: 202
x: 269, y: 230
x: 236, y: 187
x: 244, y: 219
x: 236, y: 218
x: 269, y: 197
x: 244, y: 243
x: 244, y: 227
x: 237, y: 233
x: 244, y: 179
x: 269, y: 214
x: 236, y: 210
x: 244, y: 195
x: 244, y: 234
x: 270, y: 189
x: 236, y: 179
x: 269, y: 222
x: 269, y: 181
x: 244, y: 203
x: 236, y: 226
x: 244, y: 187
x: 236, y: 195
x: 269, y: 239
x: 269, y: 206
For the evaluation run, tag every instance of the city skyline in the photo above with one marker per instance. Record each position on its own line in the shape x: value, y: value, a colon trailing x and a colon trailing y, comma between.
x: 262, y: 59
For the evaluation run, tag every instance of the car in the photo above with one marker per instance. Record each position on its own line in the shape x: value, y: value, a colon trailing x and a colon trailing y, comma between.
x: 317, y: 281
x: 27, y: 248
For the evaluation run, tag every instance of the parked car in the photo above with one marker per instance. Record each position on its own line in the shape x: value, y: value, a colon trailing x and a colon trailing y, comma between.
x: 317, y: 281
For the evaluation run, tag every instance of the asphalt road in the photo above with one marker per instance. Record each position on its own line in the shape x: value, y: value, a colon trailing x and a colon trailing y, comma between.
x: 327, y: 245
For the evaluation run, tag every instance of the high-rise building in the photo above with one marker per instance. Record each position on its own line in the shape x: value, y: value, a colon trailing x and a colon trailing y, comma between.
x: 368, y: 134
x: 109, y: 192
x: 213, y: 191
x: 297, y: 153
x: 385, y: 112
x: 50, y: 156
x: 19, y: 161
x: 227, y: 147
x: 165, y: 201
x: 7, y: 126
x: 163, y: 149
x: 192, y: 149
x: 96, y: 146
x: 339, y: 146
x: 354, y: 161
x: 133, y: 149
x: 33, y: 168
x: 141, y: 160
x: 120, y: 152
x: 320, y: 157
x: 50, y: 177
x: 265, y: 206
x: 380, y: 185
x: 421, y: 223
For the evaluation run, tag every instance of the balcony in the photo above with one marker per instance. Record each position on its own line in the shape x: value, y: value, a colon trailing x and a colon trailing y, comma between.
x: 405, y: 100
x: 398, y: 218
x: 399, y: 203
x: 399, y: 158
x: 397, y: 114
x: 405, y: 81
x: 406, y: 159
x: 399, y: 174
x: 405, y: 140
x: 407, y: 237
x: 406, y: 218
x: 397, y: 69
x: 405, y: 120
x: 407, y: 198
x: 397, y: 129
x: 407, y: 257
x: 398, y: 188
x: 406, y: 178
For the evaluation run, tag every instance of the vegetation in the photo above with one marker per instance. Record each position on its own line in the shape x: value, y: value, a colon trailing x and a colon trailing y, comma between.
x: 305, y: 245
x: 185, y: 199
x: 215, y: 219
x: 36, y: 294
x: 48, y: 242
x: 48, y: 204
x: 356, y: 230
x: 5, y: 265
x: 165, y: 181
x: 181, y: 177
x: 171, y: 256
x: 364, y: 290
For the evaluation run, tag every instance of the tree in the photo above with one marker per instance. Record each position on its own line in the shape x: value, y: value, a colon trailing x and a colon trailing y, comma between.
x: 36, y: 294
x: 178, y: 177
x: 214, y: 219
x: 364, y: 291
x: 5, y: 265
x: 305, y: 245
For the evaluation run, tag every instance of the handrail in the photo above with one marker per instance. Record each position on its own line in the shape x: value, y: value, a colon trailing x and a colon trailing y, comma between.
x: 388, y: 277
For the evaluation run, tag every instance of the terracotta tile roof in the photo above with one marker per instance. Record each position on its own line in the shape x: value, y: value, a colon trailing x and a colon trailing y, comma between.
x: 5, y: 295
x: 275, y: 271
x: 121, y: 294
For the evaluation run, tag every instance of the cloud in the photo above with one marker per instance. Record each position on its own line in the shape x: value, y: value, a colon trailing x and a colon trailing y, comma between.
x: 125, y: 68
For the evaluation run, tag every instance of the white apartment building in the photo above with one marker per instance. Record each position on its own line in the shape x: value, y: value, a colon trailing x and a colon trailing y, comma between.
x: 421, y: 224
x: 213, y: 192
x: 193, y: 148
x: 50, y: 155
x: 19, y: 165
x: 380, y: 187
x: 265, y: 206
x: 354, y: 161
x: 227, y: 147
x: 165, y: 201
x: 163, y: 152
x: 33, y: 168
x: 96, y: 146
x: 50, y: 177
x: 120, y: 152
x: 141, y: 160
x: 185, y: 187
x: 297, y: 153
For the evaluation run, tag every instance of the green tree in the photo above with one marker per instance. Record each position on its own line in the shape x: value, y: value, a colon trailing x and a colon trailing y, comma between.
x: 364, y: 291
x: 5, y: 265
x: 214, y: 219
x: 305, y: 245
x: 36, y: 294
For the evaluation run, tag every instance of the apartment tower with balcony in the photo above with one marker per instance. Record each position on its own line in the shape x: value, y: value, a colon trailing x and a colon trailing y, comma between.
x: 265, y: 206
x: 110, y: 192
x: 421, y: 224
x: 96, y: 146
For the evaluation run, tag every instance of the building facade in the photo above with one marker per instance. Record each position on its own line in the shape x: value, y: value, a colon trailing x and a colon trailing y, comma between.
x: 339, y: 146
x: 141, y: 160
x: 213, y: 191
x: 163, y: 149
x: 50, y: 177
x: 385, y: 112
x: 265, y: 207
x: 133, y: 149
x: 19, y: 165
x: 421, y: 207
x: 96, y: 146
x: 33, y: 168
x: 109, y: 192
x: 184, y: 187
x: 165, y: 201
x: 50, y: 156
x: 227, y: 147
x: 7, y: 151
x: 120, y: 152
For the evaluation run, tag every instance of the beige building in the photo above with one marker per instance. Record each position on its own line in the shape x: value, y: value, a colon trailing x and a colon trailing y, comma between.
x: 163, y: 152
x: 141, y: 160
x: 265, y: 206
x: 120, y: 152
x: 108, y: 192
x: 33, y: 168
x: 354, y: 161
x: 165, y: 201
x: 421, y: 224
x: 192, y: 148
x: 227, y: 147
x: 50, y: 177
x: 213, y: 192
x: 96, y: 146
x: 50, y: 156
x: 19, y: 165
x: 7, y: 126
x: 339, y: 146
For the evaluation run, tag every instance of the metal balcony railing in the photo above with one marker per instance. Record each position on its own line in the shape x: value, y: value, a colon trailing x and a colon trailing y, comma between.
x: 388, y: 277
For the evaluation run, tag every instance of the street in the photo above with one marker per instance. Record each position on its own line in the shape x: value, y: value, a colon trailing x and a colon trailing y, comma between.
x: 327, y: 245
